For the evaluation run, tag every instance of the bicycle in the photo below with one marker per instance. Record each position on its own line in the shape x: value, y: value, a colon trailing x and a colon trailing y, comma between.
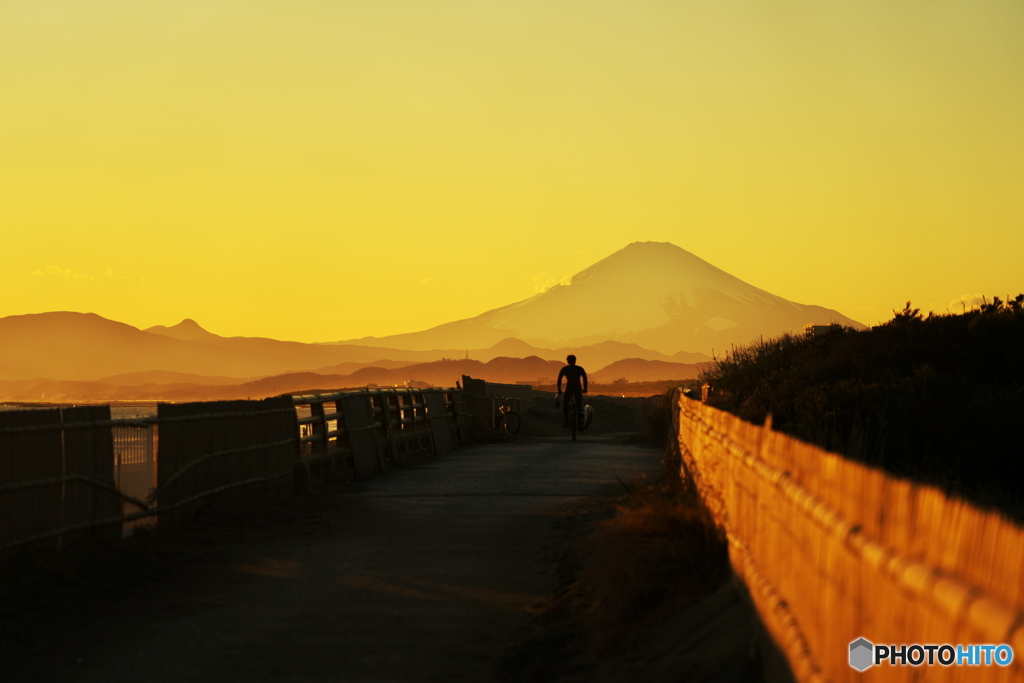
x: 574, y: 418
x: 504, y: 419
x: 578, y: 421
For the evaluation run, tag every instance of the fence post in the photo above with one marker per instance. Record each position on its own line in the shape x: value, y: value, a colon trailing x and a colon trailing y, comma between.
x: 319, y: 425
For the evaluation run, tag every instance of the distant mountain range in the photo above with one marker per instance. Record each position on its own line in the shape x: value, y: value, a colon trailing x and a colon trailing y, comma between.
x: 649, y: 312
x: 85, y: 346
x: 65, y: 356
x: 652, y: 294
x: 167, y: 386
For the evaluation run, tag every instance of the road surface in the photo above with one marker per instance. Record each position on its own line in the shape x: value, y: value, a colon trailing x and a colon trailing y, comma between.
x: 423, y: 574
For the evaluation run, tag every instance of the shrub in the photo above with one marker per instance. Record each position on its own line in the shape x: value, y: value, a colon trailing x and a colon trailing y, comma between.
x: 933, y: 398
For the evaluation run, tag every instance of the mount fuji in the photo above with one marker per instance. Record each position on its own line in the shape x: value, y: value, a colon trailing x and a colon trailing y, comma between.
x: 653, y: 294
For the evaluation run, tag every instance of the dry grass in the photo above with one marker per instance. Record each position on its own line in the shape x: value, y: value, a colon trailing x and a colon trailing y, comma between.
x: 650, y: 555
x: 660, y: 553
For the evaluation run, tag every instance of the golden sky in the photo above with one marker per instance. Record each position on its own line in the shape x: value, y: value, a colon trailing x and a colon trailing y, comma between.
x: 327, y: 169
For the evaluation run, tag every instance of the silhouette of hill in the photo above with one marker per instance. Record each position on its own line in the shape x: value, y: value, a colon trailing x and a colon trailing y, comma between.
x: 85, y: 347
x: 131, y: 379
x: 649, y: 293
x: 607, y: 352
x: 284, y: 355
x: 447, y: 371
x: 66, y: 346
x: 688, y: 357
x: 641, y: 370
x: 186, y: 330
x: 596, y: 355
x: 171, y: 386
x: 648, y: 301
x: 511, y: 370
x: 348, y: 367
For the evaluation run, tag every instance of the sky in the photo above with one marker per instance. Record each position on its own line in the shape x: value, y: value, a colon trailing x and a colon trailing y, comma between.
x: 319, y: 170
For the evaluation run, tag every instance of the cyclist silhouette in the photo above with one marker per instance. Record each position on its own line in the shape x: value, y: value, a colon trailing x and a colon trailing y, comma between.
x: 575, y: 384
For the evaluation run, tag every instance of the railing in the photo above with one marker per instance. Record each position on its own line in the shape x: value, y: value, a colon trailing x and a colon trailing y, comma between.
x: 363, y: 433
x: 225, y: 449
x: 73, y: 473
x: 56, y: 476
x: 833, y: 551
x: 485, y: 402
x: 135, y: 465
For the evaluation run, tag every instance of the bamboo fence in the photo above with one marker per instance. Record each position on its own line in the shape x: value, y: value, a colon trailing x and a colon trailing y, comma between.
x: 832, y: 550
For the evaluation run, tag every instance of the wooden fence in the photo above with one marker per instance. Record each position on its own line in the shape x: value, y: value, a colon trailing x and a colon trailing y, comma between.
x: 832, y: 551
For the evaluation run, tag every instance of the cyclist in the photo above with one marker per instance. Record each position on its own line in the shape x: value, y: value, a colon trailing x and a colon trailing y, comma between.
x: 575, y: 384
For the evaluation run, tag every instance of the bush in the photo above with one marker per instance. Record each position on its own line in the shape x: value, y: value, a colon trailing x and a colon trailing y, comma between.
x: 935, y: 399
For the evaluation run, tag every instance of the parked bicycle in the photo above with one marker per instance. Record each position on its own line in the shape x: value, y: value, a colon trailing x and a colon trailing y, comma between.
x: 503, y: 417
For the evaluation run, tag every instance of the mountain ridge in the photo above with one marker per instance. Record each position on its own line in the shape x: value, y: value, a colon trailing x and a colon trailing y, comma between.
x: 649, y: 301
x: 66, y: 345
x: 653, y: 294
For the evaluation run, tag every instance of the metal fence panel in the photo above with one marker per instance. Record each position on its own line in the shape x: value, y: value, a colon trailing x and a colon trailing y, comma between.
x: 135, y: 454
x: 220, y: 449
x: 89, y: 453
x: 30, y: 456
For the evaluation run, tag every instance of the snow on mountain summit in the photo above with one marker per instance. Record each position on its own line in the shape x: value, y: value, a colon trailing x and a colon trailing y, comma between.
x: 644, y: 287
x: 654, y: 294
x: 662, y: 267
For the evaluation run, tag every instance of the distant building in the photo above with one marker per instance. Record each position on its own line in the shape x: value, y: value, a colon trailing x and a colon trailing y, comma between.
x: 811, y: 330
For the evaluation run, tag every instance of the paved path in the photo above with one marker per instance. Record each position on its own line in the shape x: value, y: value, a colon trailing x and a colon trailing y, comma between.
x: 429, y: 574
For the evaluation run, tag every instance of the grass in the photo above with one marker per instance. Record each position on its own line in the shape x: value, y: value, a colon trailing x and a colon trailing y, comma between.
x: 649, y: 555
x: 659, y: 553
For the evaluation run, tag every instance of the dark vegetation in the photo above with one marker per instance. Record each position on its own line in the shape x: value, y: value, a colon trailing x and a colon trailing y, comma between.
x: 937, y: 399
x: 645, y: 596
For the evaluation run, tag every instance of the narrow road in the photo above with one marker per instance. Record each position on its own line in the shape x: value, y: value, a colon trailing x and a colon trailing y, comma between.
x: 427, y: 573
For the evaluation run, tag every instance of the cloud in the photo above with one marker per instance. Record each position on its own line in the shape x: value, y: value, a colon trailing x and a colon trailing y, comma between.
x: 111, y: 273
x: 428, y: 280
x: 108, y: 274
x: 542, y: 282
x: 57, y: 271
x: 966, y: 303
